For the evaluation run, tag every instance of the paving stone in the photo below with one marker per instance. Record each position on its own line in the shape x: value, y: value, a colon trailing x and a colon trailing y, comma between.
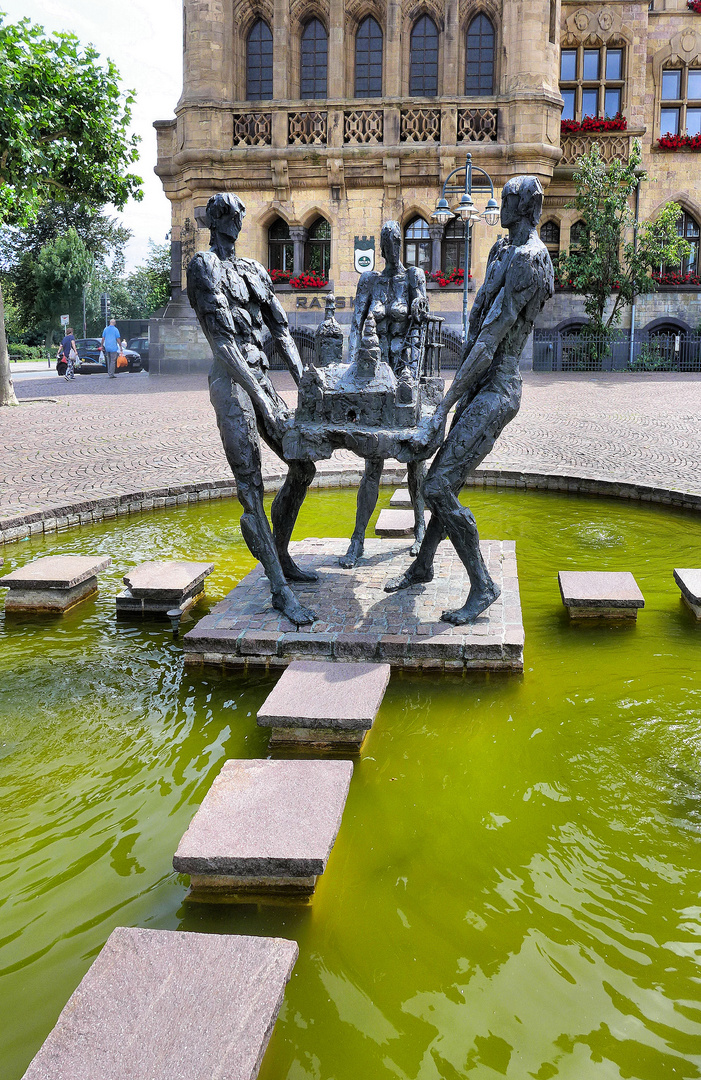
x: 53, y: 584
x: 163, y: 1004
x: 600, y: 594
x: 689, y: 581
x: 397, y: 522
x: 360, y: 622
x: 401, y: 500
x: 265, y: 827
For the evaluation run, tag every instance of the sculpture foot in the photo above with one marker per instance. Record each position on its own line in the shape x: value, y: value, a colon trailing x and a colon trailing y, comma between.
x: 286, y: 602
x: 352, y: 556
x: 407, y: 579
x: 477, y: 602
x: 293, y: 572
x: 415, y: 548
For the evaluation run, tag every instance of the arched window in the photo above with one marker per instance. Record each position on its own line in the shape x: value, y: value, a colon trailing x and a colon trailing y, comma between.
x: 280, y: 247
x: 688, y: 228
x: 259, y: 63
x: 368, y: 59
x: 453, y: 246
x: 417, y: 244
x: 550, y: 235
x: 314, y: 57
x: 577, y: 234
x: 317, y: 250
x: 423, y: 71
x: 479, y: 57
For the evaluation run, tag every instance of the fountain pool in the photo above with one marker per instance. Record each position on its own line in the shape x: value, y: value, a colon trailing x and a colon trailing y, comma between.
x: 516, y: 887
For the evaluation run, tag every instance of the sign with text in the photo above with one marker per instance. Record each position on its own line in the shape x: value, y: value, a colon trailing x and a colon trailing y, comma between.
x: 364, y: 253
x: 65, y: 319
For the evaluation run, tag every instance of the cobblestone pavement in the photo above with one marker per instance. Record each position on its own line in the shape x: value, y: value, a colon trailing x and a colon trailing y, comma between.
x: 105, y: 438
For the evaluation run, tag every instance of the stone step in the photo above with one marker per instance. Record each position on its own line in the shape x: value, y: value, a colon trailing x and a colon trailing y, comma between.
x: 154, y: 588
x: 689, y: 581
x: 265, y: 829
x: 401, y: 499
x: 164, y: 1004
x: 598, y: 594
x: 326, y: 705
x: 53, y: 583
x: 394, y: 523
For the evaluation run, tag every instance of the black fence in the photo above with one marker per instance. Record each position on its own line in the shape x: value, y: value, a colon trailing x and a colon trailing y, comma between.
x: 304, y: 340
x: 666, y: 350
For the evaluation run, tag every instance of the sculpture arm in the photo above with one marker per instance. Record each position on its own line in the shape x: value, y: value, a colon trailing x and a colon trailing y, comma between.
x: 360, y: 310
x: 275, y: 319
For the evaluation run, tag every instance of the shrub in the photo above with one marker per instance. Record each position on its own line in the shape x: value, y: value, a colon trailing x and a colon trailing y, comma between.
x: 652, y: 357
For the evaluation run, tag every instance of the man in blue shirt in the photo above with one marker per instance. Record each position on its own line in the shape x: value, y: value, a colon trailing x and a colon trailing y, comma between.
x: 110, y: 340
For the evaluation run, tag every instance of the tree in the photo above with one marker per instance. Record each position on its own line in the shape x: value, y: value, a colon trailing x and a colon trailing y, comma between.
x: 64, y: 125
x: 149, y: 284
x: 61, y: 270
x: 607, y: 259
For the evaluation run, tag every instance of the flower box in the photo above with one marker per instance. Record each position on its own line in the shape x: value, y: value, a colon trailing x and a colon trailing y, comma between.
x: 308, y: 281
x: 592, y: 124
x: 679, y: 142
x: 694, y: 5
x: 677, y: 281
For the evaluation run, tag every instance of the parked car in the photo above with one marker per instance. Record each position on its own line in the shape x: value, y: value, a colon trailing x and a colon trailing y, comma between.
x: 92, y: 360
x: 140, y: 345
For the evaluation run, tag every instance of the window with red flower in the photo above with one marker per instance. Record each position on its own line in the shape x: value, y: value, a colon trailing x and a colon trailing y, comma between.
x: 680, y: 107
x: 592, y: 82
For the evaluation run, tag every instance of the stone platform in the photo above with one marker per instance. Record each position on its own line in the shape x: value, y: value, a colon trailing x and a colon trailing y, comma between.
x: 164, y: 1004
x: 359, y: 621
x: 53, y: 583
x: 595, y: 594
x: 155, y: 588
x: 689, y: 582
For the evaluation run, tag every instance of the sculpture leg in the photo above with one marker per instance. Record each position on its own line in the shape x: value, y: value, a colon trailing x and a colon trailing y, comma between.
x: 284, y: 511
x: 367, y: 501
x: 416, y: 474
x: 237, y: 427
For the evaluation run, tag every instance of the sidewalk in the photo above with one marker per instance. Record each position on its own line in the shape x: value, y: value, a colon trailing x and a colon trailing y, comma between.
x: 112, y: 438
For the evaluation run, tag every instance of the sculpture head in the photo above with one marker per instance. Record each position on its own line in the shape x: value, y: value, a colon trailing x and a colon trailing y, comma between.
x: 391, y: 243
x: 521, y: 199
x: 224, y: 215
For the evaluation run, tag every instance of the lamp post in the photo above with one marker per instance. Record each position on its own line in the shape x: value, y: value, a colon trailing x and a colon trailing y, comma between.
x: 468, y: 213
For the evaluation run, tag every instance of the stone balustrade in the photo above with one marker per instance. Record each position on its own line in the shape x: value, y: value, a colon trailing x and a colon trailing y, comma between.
x: 614, y: 145
x: 364, y: 126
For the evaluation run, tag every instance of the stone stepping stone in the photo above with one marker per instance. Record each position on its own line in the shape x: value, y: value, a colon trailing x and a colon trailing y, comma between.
x: 324, y: 705
x: 161, y: 1004
x: 401, y: 499
x: 394, y: 523
x: 53, y: 583
x: 600, y: 594
x: 265, y: 829
x: 689, y: 581
x: 155, y: 588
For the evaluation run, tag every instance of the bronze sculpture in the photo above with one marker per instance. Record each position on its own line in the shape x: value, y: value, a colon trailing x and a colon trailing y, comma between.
x: 233, y: 299
x: 396, y: 299
x: 486, y: 392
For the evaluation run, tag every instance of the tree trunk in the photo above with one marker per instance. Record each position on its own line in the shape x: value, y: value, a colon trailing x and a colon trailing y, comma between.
x: 7, y: 390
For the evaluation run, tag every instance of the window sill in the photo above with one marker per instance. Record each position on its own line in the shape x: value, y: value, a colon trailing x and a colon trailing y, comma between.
x: 289, y: 289
x: 433, y: 286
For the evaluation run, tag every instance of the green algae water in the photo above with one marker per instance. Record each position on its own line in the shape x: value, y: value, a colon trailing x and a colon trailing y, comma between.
x: 516, y: 887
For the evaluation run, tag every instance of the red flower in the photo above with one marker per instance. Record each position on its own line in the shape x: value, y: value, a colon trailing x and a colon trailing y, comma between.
x: 694, y: 5
x: 679, y: 142
x: 308, y: 281
x: 594, y: 123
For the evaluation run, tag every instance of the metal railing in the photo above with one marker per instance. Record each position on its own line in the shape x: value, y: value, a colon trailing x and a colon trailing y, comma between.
x: 304, y: 340
x: 668, y: 350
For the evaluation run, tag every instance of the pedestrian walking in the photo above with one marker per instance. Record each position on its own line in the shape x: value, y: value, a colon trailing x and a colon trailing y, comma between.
x: 111, y: 343
x: 70, y: 353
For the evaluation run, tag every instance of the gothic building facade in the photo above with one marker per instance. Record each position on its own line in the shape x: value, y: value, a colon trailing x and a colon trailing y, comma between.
x: 330, y: 116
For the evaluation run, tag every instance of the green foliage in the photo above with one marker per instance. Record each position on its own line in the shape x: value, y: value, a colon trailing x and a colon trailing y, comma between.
x: 63, y: 124
x: 607, y: 261
x: 654, y: 356
x: 27, y: 352
x: 59, y: 274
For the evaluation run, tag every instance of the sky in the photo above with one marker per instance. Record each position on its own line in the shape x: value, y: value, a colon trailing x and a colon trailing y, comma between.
x: 144, y: 38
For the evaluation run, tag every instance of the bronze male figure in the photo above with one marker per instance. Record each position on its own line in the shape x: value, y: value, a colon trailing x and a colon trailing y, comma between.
x: 486, y: 392
x: 233, y: 299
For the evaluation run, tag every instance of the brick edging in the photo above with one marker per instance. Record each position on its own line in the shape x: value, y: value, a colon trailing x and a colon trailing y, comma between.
x: 104, y: 508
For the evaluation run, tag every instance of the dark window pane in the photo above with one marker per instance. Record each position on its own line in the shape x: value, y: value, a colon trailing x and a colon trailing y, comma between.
x: 479, y: 71
x: 568, y: 111
x: 614, y: 63
x: 669, y: 122
x: 259, y: 63
x: 671, y: 85
x: 314, y: 60
x: 612, y: 101
x: 550, y: 233
x: 423, y: 74
x: 693, y: 90
x: 280, y: 247
x: 279, y: 230
x: 590, y: 102
x: 591, y: 65
x: 577, y: 233
x: 417, y: 229
x: 368, y: 59
x: 690, y: 227
x: 317, y: 250
x: 568, y: 65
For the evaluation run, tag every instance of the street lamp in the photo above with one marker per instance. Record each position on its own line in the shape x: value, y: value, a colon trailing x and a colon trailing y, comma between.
x: 468, y: 213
